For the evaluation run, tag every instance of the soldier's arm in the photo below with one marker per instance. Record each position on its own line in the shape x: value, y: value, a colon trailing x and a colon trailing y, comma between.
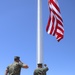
x: 6, y: 72
x: 23, y: 65
x: 46, y: 68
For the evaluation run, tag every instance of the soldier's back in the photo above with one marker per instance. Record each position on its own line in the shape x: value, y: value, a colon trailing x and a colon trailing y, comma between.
x: 14, y: 69
x: 39, y: 71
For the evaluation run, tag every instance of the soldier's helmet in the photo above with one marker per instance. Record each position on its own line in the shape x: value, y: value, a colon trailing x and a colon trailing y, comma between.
x: 16, y: 58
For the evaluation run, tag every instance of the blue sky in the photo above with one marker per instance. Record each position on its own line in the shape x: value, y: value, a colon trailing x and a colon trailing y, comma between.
x: 18, y: 34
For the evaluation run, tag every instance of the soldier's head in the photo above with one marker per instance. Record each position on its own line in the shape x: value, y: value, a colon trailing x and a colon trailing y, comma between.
x: 17, y: 58
x: 40, y: 65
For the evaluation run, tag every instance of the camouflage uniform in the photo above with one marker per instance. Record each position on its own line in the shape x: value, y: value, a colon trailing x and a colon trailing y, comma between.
x: 15, y: 68
x: 41, y: 71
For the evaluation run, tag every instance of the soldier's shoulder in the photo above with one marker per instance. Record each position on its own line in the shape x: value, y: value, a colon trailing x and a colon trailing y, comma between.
x: 38, y: 69
x: 46, y: 69
x: 8, y: 66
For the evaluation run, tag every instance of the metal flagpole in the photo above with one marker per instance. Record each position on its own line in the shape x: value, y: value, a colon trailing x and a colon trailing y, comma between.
x: 39, y: 33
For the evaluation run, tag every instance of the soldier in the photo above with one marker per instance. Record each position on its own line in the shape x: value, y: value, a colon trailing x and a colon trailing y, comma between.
x: 15, y: 68
x: 41, y: 70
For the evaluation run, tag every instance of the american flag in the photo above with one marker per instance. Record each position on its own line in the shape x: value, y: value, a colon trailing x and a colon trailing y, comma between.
x: 55, y: 22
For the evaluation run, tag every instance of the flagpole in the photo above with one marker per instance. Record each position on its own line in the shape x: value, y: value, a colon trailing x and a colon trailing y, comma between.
x: 39, y: 33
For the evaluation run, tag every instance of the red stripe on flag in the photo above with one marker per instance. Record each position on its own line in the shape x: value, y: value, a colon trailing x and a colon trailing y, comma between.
x: 57, y: 15
x: 52, y: 28
x: 47, y: 27
x: 55, y: 5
